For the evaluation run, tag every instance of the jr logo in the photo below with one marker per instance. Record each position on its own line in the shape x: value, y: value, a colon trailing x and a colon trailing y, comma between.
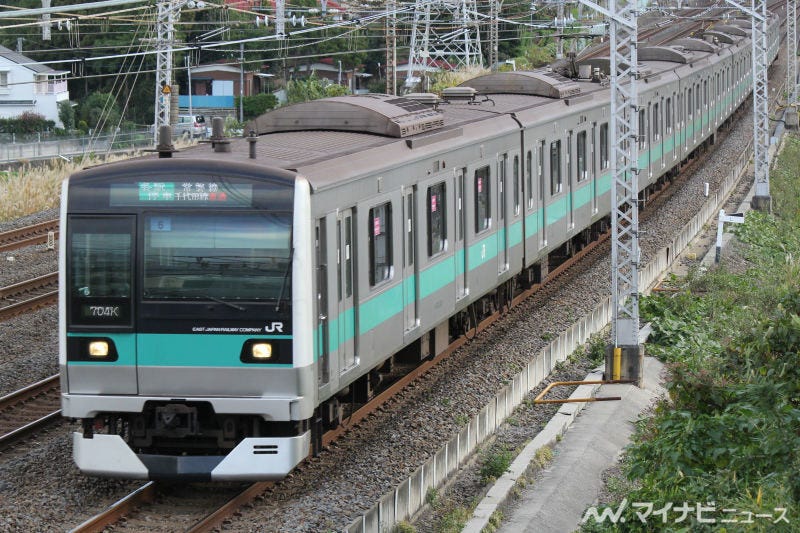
x: 275, y: 327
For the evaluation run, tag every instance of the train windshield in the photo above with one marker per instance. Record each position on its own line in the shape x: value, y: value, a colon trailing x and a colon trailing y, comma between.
x: 236, y: 256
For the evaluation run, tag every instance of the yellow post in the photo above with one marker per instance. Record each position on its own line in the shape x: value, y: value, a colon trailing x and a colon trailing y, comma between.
x: 617, y: 369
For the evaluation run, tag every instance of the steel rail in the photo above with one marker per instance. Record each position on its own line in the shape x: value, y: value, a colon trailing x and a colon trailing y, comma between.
x: 28, y: 235
x: 21, y: 397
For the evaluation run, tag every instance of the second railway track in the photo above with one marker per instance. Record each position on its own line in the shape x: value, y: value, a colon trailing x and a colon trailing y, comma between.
x: 28, y: 295
x: 28, y: 410
x: 41, y: 233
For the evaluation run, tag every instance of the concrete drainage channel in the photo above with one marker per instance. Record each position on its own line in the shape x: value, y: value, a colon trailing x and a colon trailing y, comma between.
x: 409, y: 496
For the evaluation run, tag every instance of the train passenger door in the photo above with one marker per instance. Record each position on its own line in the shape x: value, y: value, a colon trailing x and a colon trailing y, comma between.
x: 460, y: 243
x: 321, y: 333
x: 410, y: 289
x: 570, y: 182
x: 346, y: 320
x: 502, y: 215
x: 540, y: 176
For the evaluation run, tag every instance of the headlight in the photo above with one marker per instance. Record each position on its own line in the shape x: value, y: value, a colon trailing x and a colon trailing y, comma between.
x: 98, y: 349
x: 261, y: 350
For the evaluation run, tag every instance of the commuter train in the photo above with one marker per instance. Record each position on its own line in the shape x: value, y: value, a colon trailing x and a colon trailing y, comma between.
x: 219, y: 304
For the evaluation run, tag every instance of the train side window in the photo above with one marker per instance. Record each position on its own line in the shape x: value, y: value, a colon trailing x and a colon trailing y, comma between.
x: 555, y: 167
x: 581, y: 155
x: 656, y: 122
x: 605, y: 161
x: 529, y: 177
x: 689, y: 105
x: 540, y: 170
x: 668, y: 116
x: 437, y: 219
x: 516, y: 185
x: 642, y: 130
x: 380, y: 243
x: 697, y: 100
x: 483, y: 213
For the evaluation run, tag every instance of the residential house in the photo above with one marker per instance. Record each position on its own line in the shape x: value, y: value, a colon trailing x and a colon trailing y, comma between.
x: 26, y: 85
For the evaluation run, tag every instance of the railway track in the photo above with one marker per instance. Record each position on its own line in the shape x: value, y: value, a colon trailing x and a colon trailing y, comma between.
x: 42, y: 233
x: 28, y: 295
x: 27, y: 411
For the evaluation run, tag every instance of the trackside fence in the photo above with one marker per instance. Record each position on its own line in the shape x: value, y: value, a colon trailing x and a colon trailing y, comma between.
x: 402, y: 502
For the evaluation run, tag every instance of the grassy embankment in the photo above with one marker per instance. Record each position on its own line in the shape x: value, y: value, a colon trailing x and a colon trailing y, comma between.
x: 727, y: 440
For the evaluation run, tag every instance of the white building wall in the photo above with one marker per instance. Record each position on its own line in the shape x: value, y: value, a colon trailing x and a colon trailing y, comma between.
x: 22, y: 93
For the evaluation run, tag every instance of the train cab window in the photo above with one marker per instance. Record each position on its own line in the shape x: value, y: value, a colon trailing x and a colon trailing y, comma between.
x: 555, y: 168
x: 483, y: 212
x: 202, y: 256
x: 380, y: 243
x: 581, y: 155
x: 529, y: 177
x: 437, y: 219
x: 99, y: 270
x: 605, y: 160
x: 668, y: 115
x: 516, y: 185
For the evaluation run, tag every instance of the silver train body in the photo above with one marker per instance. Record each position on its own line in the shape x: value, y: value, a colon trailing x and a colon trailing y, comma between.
x: 216, y: 307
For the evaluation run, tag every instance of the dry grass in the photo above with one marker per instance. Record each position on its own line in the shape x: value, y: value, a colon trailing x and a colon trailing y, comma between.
x: 29, y: 189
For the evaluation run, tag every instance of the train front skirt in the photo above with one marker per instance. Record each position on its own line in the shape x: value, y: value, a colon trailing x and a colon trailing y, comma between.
x: 253, y: 459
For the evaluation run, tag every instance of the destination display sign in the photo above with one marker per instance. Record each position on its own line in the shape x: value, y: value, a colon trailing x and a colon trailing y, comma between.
x: 181, y: 193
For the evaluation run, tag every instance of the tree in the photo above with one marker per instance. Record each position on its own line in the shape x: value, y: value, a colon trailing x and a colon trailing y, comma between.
x: 312, y: 88
x: 100, y: 111
x: 254, y: 106
x: 66, y: 114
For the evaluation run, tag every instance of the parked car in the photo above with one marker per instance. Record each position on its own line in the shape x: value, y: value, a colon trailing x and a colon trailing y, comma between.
x: 191, y: 124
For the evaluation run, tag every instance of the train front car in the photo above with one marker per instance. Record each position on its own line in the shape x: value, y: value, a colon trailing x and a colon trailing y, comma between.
x: 185, y: 295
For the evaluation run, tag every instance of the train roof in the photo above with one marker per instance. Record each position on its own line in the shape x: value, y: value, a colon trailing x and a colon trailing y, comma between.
x: 323, y: 139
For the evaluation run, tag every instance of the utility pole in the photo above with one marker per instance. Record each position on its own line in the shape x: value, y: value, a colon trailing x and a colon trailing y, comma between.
x: 191, y: 110
x: 46, y: 21
x: 241, y: 82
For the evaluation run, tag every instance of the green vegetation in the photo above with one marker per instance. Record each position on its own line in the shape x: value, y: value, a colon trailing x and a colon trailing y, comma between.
x: 495, y: 464
x: 453, y: 521
x: 27, y: 122
x: 254, y: 106
x: 730, y: 431
x: 404, y: 527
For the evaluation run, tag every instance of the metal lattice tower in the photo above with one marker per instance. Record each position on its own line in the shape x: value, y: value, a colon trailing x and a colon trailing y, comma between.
x: 391, y: 47
x: 494, y: 34
x: 624, y: 140
x: 446, y: 31
x: 760, y: 61
x: 168, y: 12
x: 791, y: 51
